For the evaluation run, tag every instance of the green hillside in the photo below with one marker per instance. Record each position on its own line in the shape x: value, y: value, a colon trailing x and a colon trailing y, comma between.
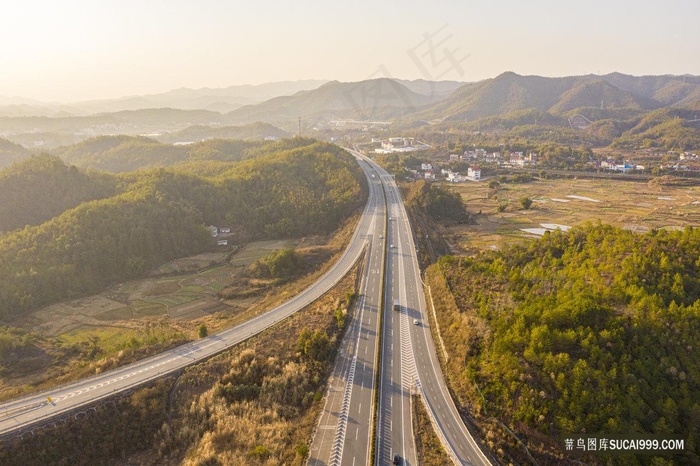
x: 126, y: 153
x: 42, y: 187
x: 667, y: 90
x: 668, y: 128
x: 591, y: 331
x: 254, y: 131
x: 586, y: 93
x: 161, y: 214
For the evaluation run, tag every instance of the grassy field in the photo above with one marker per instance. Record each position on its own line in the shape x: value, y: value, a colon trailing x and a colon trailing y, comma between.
x: 637, y: 206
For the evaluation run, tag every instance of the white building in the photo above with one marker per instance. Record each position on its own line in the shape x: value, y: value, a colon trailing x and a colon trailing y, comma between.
x: 517, y: 159
x: 425, y: 166
x: 474, y: 173
x: 492, y: 157
x: 454, y: 177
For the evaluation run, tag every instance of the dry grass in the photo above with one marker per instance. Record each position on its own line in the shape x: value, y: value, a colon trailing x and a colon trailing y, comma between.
x: 264, y: 430
x: 430, y: 450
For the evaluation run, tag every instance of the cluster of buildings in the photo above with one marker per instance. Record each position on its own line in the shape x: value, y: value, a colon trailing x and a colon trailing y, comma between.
x: 220, y: 234
x: 479, y: 155
x: 473, y: 174
x: 519, y: 159
x: 428, y: 173
x: 391, y: 145
x: 514, y: 159
x: 688, y: 161
x: 612, y: 165
x: 680, y: 167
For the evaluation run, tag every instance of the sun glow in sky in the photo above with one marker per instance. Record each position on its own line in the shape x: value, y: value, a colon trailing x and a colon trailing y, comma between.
x: 79, y: 50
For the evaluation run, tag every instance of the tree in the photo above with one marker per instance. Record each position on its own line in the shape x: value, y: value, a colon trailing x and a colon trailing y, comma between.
x: 202, y: 330
x: 525, y: 202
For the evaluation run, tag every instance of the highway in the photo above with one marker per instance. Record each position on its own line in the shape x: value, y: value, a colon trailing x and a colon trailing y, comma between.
x: 409, y: 360
x: 344, y: 432
x: 398, y: 372
x: 36, y: 409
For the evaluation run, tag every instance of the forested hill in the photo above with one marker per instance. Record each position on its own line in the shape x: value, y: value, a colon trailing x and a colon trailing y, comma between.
x: 11, y: 152
x: 42, y: 187
x: 592, y: 331
x: 120, y: 154
x: 301, y: 187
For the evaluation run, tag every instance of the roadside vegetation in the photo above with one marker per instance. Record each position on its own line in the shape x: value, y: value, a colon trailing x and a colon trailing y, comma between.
x: 432, y: 208
x: 591, y: 331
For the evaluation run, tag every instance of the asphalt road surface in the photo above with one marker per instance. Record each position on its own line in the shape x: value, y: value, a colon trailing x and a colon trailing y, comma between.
x: 409, y: 360
x: 344, y: 432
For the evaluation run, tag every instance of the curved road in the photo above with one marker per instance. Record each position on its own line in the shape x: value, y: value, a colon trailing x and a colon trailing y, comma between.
x: 36, y: 409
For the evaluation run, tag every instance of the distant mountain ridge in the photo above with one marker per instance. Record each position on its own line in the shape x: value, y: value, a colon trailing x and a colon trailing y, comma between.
x: 510, y: 92
x: 373, y: 99
x: 215, y: 99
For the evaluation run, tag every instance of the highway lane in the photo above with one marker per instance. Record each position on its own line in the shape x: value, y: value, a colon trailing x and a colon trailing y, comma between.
x: 395, y: 429
x: 420, y: 369
x: 36, y: 409
x: 343, y: 434
x: 358, y: 434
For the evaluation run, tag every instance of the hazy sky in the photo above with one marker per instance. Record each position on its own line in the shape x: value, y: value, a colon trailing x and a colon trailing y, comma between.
x: 71, y: 50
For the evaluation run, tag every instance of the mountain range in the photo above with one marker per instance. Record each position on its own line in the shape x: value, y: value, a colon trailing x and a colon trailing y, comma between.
x: 510, y: 92
x: 215, y: 99
x: 405, y: 104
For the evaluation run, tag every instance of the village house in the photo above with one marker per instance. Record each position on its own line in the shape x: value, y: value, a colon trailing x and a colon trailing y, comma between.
x: 474, y: 173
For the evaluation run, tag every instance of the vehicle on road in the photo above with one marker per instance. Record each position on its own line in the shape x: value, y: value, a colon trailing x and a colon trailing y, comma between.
x: 397, y: 459
x: 397, y: 306
x: 415, y: 321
